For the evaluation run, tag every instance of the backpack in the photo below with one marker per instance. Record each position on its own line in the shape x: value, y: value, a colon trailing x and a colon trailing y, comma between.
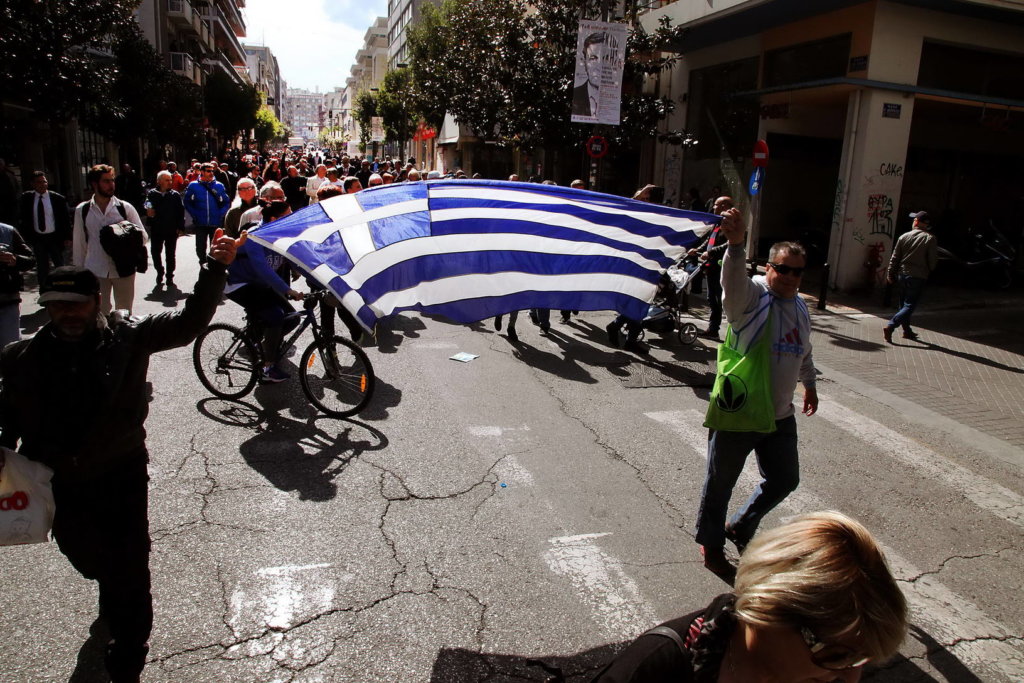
x: 124, y: 243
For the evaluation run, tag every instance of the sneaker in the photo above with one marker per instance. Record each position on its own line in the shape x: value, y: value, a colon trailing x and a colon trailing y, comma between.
x: 613, y: 333
x: 565, y: 319
x: 708, y: 334
x: 911, y: 335
x: 274, y: 375
x: 887, y: 333
x: 545, y: 328
x: 636, y: 347
x: 511, y: 334
x: 718, y: 564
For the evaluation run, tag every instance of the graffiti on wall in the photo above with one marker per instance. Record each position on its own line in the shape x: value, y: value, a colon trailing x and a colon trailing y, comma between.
x: 880, y: 214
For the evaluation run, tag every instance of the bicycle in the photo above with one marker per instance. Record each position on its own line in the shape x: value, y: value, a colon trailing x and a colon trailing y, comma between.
x: 335, y: 373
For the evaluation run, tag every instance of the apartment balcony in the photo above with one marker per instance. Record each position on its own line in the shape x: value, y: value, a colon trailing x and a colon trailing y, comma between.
x: 182, y: 64
x: 224, y: 38
x: 183, y: 16
x: 233, y: 16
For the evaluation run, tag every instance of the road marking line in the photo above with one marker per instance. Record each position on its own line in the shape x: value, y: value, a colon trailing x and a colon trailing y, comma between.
x: 511, y: 471
x: 983, y: 492
x: 949, y: 617
x: 614, y: 598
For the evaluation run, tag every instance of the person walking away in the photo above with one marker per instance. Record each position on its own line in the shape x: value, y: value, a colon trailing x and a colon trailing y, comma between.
x: 207, y: 201
x: 87, y: 250
x: 74, y: 398
x: 771, y: 305
x: 710, y: 252
x: 913, y: 259
x: 166, y: 214
x: 45, y: 224
x: 15, y: 258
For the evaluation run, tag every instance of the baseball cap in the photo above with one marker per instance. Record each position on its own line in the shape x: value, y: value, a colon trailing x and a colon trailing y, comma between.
x: 69, y: 283
x: 921, y: 216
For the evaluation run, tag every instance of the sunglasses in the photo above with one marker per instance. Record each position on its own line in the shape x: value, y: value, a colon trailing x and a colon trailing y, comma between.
x: 832, y: 657
x: 783, y: 269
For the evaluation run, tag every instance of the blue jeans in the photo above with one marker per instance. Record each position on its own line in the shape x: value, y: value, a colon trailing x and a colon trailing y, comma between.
x: 778, y: 464
x: 911, y: 289
x: 10, y: 322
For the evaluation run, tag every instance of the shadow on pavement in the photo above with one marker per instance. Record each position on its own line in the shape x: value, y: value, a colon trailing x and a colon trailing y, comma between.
x: 90, y: 666
x: 900, y: 669
x: 964, y: 355
x: 458, y: 664
x: 303, y: 455
x: 169, y: 297
x: 391, y: 332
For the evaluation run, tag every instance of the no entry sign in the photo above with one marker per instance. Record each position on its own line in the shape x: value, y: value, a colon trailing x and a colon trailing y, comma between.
x: 597, y: 146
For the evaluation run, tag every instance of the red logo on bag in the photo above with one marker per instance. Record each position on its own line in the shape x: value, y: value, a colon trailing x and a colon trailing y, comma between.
x: 16, y: 501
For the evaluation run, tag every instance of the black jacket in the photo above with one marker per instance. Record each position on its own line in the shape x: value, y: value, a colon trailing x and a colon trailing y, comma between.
x: 61, y: 216
x: 657, y: 659
x: 80, y: 407
x: 10, y: 276
x: 716, y: 253
x: 170, y: 214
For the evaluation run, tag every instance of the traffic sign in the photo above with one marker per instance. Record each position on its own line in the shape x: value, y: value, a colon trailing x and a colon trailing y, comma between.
x: 760, y: 153
x: 597, y: 146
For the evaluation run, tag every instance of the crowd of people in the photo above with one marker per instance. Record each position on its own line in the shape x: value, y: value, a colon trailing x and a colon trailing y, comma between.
x: 813, y: 599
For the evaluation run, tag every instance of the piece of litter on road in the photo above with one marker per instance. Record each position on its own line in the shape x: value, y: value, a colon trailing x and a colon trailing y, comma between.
x: 504, y: 485
x: 464, y: 357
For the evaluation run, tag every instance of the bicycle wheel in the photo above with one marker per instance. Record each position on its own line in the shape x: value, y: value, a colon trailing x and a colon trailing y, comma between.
x: 337, y: 378
x: 226, y: 361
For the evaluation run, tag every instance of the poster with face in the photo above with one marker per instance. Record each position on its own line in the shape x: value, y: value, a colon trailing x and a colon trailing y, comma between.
x: 597, y: 86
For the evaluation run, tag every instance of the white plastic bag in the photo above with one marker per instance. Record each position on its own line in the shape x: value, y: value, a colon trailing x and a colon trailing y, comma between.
x: 26, y: 500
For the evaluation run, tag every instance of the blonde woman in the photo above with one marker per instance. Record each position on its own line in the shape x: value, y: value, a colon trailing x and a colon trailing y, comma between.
x: 814, y: 601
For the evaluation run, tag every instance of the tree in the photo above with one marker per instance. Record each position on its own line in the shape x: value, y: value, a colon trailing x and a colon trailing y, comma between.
x: 508, y: 73
x: 267, y: 128
x: 394, y: 105
x: 230, y: 107
x: 57, y: 57
x: 363, y: 111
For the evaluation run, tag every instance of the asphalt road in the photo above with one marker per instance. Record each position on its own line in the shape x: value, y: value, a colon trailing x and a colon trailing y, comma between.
x: 525, y: 505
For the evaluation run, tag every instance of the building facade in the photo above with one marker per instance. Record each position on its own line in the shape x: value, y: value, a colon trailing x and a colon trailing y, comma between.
x: 870, y: 110
x: 266, y: 76
x: 304, y: 113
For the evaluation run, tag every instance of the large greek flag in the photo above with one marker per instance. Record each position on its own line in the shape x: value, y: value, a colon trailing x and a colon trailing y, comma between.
x: 472, y: 249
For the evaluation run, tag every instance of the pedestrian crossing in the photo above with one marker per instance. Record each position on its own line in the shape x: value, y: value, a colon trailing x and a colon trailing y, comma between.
x: 980, y: 641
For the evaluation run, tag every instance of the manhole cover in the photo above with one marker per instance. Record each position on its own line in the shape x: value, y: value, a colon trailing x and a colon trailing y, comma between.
x: 641, y: 375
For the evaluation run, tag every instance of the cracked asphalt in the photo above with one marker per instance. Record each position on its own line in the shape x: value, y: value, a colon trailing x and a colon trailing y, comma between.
x: 490, y: 520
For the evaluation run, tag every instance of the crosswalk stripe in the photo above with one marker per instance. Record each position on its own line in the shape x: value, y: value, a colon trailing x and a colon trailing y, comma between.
x: 986, y: 494
x: 979, y: 640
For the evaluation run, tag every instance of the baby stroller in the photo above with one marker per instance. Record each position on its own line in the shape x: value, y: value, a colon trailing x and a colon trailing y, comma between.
x: 672, y: 301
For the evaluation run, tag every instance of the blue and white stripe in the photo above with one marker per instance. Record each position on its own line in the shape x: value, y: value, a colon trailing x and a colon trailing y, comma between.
x: 472, y: 249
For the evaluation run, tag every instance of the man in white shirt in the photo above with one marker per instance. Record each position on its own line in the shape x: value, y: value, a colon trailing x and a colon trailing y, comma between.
x: 87, y: 252
x: 314, y: 182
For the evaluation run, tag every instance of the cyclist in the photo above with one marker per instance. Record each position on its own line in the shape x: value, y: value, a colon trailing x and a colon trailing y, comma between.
x: 255, y: 284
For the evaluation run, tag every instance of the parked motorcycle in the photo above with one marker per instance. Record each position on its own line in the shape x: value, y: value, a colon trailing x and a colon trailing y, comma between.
x: 989, y: 262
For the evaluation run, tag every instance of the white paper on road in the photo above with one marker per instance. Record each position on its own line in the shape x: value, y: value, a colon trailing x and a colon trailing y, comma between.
x: 944, y: 615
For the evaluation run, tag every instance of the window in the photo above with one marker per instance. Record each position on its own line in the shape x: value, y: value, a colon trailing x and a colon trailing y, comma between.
x: 814, y: 61
x: 710, y: 105
x: 969, y: 70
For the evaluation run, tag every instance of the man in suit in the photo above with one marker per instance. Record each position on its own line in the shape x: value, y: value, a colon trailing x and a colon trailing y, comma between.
x: 585, y: 95
x: 45, y: 224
